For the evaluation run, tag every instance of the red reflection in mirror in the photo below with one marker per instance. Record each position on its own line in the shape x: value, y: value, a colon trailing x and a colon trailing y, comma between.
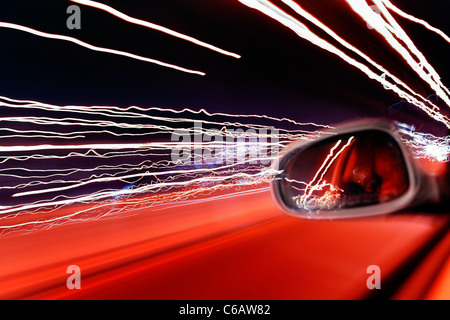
x: 345, y: 171
x: 374, y: 169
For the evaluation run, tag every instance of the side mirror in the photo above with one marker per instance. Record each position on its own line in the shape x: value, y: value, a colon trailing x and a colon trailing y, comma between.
x: 356, y: 170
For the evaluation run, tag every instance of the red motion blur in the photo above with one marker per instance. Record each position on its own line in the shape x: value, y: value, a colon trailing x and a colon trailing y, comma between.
x: 240, y: 247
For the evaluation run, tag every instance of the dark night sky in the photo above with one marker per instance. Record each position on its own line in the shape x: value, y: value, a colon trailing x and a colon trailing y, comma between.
x: 279, y: 74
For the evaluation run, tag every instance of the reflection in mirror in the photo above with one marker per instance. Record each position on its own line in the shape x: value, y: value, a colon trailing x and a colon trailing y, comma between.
x: 344, y: 171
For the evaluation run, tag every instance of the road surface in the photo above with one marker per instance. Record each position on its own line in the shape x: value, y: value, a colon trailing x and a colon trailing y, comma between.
x: 235, y: 247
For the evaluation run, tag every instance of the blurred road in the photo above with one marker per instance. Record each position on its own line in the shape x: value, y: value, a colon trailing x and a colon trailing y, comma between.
x: 237, y: 247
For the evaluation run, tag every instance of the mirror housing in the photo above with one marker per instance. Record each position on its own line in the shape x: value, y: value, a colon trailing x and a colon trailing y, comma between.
x: 358, y: 169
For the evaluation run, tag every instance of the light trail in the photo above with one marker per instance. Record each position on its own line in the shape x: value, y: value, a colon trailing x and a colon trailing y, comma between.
x: 385, y: 28
x: 405, y: 15
x: 153, y: 26
x: 96, y: 48
x: 35, y: 191
x: 313, y: 186
x: 141, y: 170
x: 129, y: 206
x: 299, y: 10
x: 395, y: 36
x: 116, y: 146
x: 76, y: 184
x: 111, y: 111
x: 425, y: 145
x: 122, y: 193
x: 132, y: 183
x: 117, y: 178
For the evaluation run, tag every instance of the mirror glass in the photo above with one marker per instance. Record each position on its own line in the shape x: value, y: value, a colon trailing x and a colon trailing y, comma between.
x: 344, y: 171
